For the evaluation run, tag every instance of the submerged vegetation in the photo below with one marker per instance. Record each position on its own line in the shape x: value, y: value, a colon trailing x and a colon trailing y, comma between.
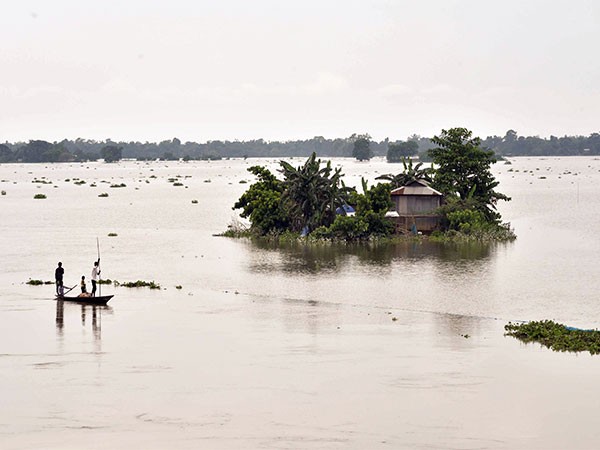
x: 38, y: 282
x: 556, y: 336
x: 312, y: 199
x: 140, y: 283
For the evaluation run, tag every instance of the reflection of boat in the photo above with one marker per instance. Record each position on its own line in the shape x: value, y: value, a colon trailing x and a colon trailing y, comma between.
x: 98, y: 300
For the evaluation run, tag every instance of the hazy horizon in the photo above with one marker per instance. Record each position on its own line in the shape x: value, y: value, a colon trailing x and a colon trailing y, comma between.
x: 234, y: 70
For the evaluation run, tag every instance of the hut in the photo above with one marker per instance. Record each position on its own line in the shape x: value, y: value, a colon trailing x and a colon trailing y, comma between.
x: 414, y: 207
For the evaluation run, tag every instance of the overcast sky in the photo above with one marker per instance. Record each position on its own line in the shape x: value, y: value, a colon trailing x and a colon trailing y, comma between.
x: 238, y: 69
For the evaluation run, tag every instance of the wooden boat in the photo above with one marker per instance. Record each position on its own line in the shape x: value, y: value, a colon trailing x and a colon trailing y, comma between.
x: 98, y: 300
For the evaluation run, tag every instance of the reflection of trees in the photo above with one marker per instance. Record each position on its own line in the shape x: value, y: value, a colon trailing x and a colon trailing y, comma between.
x: 298, y: 257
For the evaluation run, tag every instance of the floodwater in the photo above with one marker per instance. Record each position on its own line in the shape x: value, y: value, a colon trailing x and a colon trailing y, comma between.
x: 350, y: 347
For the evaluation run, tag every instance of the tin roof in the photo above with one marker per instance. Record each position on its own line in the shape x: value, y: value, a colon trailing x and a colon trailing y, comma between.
x: 417, y: 187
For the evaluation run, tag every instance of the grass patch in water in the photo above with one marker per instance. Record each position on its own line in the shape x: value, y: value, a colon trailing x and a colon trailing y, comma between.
x: 104, y: 194
x: 140, y: 283
x: 38, y: 282
x: 556, y: 336
x: 121, y: 185
x: 39, y: 196
x: 112, y: 234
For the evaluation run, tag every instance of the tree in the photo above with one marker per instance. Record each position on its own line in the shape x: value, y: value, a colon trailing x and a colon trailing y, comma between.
x: 6, y: 155
x: 312, y: 193
x: 111, y: 153
x: 410, y: 173
x: 464, y: 171
x: 262, y: 204
x: 362, y: 147
x: 397, y: 151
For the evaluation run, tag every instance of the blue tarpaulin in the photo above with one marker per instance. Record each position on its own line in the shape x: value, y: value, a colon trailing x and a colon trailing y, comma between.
x: 345, y: 210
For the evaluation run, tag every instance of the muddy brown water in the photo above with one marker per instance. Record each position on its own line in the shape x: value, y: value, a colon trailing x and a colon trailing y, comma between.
x: 294, y: 346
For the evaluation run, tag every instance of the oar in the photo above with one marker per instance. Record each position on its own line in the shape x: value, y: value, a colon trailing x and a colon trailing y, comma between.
x: 70, y: 289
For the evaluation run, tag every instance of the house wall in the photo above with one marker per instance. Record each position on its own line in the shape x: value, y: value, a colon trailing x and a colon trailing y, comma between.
x: 416, y: 204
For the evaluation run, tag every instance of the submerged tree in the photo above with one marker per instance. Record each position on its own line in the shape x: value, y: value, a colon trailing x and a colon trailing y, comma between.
x: 312, y: 193
x: 262, y: 204
x: 111, y: 153
x: 397, y: 151
x: 362, y: 147
x: 463, y: 171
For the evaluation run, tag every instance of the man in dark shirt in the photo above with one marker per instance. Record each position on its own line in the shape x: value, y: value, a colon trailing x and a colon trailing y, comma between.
x: 58, y: 276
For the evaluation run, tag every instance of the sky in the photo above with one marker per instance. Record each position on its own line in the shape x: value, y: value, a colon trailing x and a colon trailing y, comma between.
x: 149, y: 70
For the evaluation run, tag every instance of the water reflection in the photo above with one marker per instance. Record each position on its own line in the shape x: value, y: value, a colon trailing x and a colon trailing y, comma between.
x: 96, y: 313
x: 297, y: 257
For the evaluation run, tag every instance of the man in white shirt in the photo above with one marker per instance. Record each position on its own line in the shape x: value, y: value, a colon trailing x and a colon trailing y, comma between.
x: 95, y: 276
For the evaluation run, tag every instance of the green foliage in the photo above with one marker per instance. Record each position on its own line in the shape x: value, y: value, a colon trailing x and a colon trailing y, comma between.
x: 111, y: 153
x: 312, y: 193
x: 464, y: 170
x: 112, y: 234
x: 398, y: 151
x: 362, y: 147
x: 411, y: 173
x: 39, y: 196
x: 262, y: 203
x: 466, y: 220
x: 38, y: 282
x: 140, y: 283
x: 369, y: 220
x: 103, y: 195
x: 556, y: 336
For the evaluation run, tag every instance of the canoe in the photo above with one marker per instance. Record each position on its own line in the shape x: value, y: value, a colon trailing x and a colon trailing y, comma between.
x: 98, y: 300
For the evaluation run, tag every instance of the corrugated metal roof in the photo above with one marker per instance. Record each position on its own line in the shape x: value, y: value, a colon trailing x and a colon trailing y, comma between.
x: 416, y: 188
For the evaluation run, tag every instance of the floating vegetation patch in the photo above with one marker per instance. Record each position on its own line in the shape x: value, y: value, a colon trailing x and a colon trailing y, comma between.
x: 38, y: 282
x: 120, y: 185
x: 177, y: 184
x: 140, y: 283
x: 178, y: 286
x: 3, y: 192
x: 104, y: 194
x: 193, y: 201
x: 79, y: 182
x: 207, y: 181
x: 39, y: 196
x: 41, y: 181
x: 556, y: 336
x: 112, y: 234
x: 107, y: 281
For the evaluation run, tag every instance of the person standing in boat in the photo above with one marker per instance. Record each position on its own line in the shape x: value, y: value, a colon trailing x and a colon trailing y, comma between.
x: 95, y: 276
x: 58, y: 276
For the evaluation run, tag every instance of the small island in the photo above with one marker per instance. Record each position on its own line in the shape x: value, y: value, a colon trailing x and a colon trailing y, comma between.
x: 453, y: 199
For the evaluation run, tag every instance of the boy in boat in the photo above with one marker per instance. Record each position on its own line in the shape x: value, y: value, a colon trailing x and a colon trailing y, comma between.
x: 84, y: 292
x: 95, y: 275
x: 58, y: 276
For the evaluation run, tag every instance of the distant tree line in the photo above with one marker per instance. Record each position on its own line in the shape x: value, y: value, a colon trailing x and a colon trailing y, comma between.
x: 359, y: 146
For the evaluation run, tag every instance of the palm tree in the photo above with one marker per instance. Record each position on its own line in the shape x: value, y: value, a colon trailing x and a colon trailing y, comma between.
x: 410, y: 173
x: 312, y: 193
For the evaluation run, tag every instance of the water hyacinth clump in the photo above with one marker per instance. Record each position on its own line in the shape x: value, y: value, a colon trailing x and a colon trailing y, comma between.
x: 39, y: 196
x: 140, y: 283
x: 556, y: 336
x: 32, y: 282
